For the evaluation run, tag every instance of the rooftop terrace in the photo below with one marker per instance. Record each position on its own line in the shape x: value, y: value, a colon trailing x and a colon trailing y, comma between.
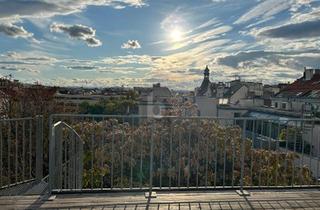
x: 272, y: 199
x: 117, y: 162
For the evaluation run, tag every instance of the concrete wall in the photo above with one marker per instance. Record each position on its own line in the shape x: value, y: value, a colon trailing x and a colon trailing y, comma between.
x: 152, y: 109
x: 297, y: 105
x: 207, y: 106
x: 240, y: 94
x: 251, y: 102
x: 279, y: 103
x: 230, y: 113
x: 312, y: 136
x: 257, y: 88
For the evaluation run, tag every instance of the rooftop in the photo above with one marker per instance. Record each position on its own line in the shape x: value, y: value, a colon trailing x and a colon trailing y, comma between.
x: 303, y: 87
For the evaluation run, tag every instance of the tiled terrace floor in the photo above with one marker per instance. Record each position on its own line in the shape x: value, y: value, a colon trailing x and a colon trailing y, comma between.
x: 289, y: 199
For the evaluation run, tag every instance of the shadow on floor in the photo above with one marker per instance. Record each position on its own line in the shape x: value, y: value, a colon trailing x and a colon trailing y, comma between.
x: 245, y: 204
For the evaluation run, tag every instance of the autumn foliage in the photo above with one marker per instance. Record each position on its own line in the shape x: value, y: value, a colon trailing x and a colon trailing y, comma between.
x: 186, y: 152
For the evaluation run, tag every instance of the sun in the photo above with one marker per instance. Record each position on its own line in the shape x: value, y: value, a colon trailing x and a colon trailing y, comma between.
x: 176, y: 35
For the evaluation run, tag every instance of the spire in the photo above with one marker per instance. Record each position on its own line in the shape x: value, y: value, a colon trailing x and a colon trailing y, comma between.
x: 205, y: 83
x: 207, y: 72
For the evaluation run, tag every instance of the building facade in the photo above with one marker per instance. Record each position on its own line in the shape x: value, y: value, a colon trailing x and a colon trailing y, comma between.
x: 154, y: 101
x: 301, y: 96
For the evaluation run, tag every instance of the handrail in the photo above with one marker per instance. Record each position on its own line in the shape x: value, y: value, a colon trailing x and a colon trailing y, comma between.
x: 68, y: 126
x: 138, y: 151
x: 181, y: 117
x: 56, y: 166
x: 16, y: 119
x: 21, y: 150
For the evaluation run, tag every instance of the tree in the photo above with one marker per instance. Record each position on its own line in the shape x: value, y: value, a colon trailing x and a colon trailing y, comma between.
x: 25, y: 101
x: 112, y: 106
x: 186, y: 151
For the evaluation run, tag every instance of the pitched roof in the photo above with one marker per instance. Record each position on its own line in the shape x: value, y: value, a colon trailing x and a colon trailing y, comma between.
x: 161, y: 92
x: 204, y: 87
x: 301, y: 87
x: 232, y: 90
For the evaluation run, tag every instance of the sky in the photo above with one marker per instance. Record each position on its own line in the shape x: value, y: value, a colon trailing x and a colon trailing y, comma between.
x: 102, y: 43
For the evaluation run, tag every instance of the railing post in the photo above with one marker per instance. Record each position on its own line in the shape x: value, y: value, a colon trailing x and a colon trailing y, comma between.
x: 58, y: 152
x: 51, y: 155
x: 151, y: 157
x: 242, y: 151
x: 39, y: 147
x: 151, y: 194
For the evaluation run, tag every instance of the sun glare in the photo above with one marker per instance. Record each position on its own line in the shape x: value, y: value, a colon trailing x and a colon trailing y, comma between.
x: 176, y: 35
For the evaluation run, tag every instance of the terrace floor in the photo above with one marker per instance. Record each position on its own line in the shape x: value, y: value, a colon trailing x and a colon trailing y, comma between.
x: 259, y: 199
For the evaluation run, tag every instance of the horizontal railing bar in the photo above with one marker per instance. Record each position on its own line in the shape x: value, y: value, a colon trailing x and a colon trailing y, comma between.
x: 183, y: 117
x: 182, y: 189
x: 17, y: 119
x: 175, y: 171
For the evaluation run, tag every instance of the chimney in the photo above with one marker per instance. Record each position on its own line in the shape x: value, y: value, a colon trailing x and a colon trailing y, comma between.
x: 308, y: 73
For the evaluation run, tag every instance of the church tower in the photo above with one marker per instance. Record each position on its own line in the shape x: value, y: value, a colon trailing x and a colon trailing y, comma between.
x: 205, y: 83
x: 206, y: 73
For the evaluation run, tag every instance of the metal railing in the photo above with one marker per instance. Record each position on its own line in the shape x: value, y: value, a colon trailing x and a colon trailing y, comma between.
x: 66, y: 169
x: 21, y: 151
x: 119, y: 153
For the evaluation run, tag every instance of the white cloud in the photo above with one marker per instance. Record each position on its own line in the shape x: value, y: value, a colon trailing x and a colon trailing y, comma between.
x: 173, y: 20
x: 37, y: 57
x: 131, y: 44
x: 49, y: 8
x: 12, y: 11
x: 206, y: 24
x: 268, y: 8
x: 265, y: 9
x: 78, y: 31
x: 26, y: 62
x: 209, y: 34
x: 263, y: 60
x: 130, y: 59
x: 313, y: 14
x: 209, y: 31
x: 14, y: 31
x: 307, y: 29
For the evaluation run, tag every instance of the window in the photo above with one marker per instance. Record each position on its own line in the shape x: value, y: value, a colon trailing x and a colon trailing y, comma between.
x: 223, y: 101
x: 276, y: 104
x: 237, y: 114
x: 284, y: 106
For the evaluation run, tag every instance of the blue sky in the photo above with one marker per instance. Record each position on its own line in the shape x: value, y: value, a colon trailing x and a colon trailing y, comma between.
x: 140, y: 42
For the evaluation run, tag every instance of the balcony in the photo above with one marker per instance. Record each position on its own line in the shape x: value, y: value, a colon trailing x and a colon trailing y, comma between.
x: 133, y: 161
x: 271, y: 199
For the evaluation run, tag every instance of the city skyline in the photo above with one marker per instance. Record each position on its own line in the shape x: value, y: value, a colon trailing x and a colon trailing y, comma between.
x: 140, y: 42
